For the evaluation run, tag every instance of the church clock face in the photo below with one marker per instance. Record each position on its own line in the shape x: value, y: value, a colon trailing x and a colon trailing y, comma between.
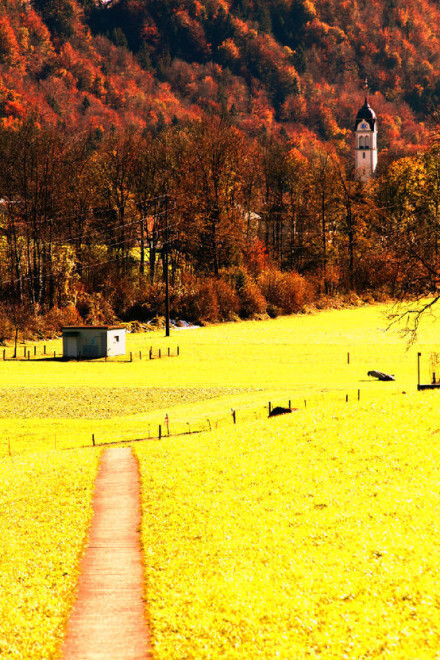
x: 364, y: 125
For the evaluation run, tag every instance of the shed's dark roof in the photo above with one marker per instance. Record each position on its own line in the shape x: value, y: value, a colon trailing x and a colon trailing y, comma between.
x: 93, y: 327
x: 366, y: 113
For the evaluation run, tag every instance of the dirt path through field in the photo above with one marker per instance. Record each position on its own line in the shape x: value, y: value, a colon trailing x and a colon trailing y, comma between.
x: 108, y: 619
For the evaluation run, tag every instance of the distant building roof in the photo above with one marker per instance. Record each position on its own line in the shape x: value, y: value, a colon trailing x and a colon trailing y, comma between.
x: 366, y: 113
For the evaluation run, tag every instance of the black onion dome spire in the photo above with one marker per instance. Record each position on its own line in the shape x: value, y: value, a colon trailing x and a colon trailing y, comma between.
x: 366, y: 113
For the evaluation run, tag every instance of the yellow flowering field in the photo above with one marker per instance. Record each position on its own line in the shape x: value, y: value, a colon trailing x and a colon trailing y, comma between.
x: 45, y: 510
x: 312, y: 535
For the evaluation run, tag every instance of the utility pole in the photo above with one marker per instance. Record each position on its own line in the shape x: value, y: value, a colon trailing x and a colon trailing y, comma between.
x: 167, y: 284
x: 142, y: 264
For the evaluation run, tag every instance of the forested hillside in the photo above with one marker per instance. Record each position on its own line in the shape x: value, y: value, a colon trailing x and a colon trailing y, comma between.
x: 295, y: 63
x: 227, y: 121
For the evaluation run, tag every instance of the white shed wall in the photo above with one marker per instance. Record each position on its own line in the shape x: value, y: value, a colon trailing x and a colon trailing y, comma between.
x: 93, y: 342
x: 116, y: 342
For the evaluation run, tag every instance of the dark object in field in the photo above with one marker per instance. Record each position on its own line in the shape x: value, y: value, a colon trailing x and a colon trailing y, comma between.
x: 279, y: 410
x: 380, y: 375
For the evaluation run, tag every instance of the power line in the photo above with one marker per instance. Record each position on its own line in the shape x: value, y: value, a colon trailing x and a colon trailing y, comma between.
x: 114, y: 228
x: 29, y: 277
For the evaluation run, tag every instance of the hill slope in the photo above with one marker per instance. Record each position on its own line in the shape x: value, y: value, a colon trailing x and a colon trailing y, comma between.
x: 295, y: 63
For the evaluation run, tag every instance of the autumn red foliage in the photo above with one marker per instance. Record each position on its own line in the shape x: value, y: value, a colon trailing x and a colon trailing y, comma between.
x: 220, y: 132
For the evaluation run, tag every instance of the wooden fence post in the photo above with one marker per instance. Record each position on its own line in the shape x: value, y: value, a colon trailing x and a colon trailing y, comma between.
x: 270, y: 407
x: 131, y: 356
x: 140, y: 355
x: 44, y: 349
x: 169, y: 351
x: 348, y: 358
x: 4, y: 353
x: 160, y: 353
x: 151, y: 353
x: 93, y: 439
x: 178, y: 351
x: 160, y: 432
x: 35, y: 350
x: 359, y: 395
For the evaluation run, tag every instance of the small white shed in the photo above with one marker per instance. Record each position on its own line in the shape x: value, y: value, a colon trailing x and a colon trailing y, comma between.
x: 93, y: 341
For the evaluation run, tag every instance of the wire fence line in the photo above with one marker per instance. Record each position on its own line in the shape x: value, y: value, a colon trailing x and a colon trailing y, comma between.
x: 34, y: 352
x: 166, y: 426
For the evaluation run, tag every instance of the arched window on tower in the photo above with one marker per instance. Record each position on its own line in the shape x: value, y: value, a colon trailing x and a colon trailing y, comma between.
x: 361, y: 142
x: 367, y: 142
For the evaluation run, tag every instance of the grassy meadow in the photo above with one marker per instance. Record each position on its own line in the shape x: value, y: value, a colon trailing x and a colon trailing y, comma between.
x: 45, y: 510
x: 314, y: 535
x: 311, y: 535
x: 47, y: 404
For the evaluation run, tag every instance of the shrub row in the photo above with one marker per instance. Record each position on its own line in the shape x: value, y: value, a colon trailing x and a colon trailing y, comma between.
x: 234, y: 295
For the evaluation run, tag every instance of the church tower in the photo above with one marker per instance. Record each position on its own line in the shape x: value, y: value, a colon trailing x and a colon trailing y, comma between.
x: 366, y: 142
